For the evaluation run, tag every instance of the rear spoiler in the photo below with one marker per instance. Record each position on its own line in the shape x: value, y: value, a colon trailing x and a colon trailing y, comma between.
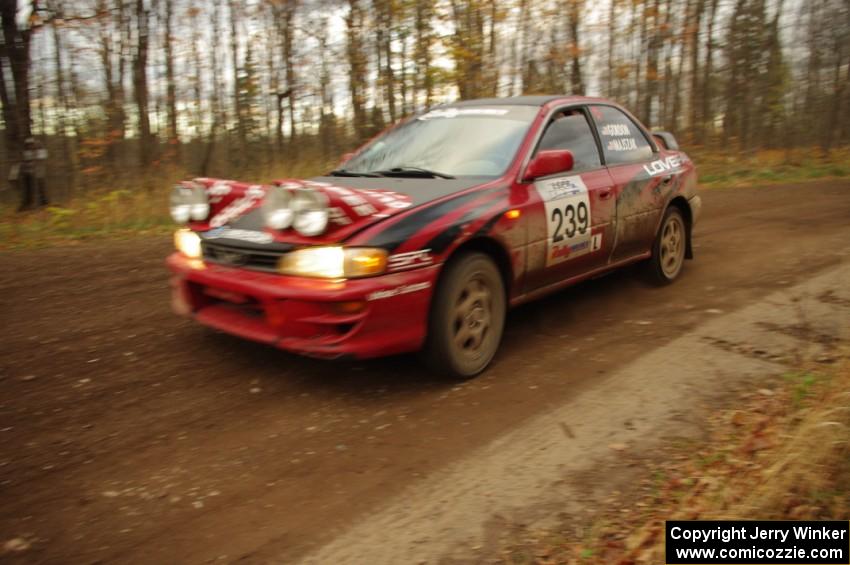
x: 666, y: 140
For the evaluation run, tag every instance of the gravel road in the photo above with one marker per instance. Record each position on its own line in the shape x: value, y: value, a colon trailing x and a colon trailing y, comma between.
x: 131, y: 435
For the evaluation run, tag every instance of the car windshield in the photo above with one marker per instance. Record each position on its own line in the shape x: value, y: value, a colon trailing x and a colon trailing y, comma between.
x: 465, y: 141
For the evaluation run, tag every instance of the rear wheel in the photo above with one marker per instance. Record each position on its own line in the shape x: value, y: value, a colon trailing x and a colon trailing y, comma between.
x: 668, y: 250
x: 467, y: 317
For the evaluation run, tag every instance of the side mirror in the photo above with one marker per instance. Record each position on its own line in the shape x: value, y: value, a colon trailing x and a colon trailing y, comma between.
x: 666, y: 140
x: 549, y: 162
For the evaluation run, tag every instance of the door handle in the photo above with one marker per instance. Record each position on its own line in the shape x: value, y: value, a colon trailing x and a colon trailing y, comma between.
x: 606, y: 193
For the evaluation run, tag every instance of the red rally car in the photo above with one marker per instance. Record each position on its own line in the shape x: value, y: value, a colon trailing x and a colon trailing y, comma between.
x: 424, y: 237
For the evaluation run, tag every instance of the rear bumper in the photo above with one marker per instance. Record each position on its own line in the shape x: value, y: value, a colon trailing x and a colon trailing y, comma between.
x: 360, y: 318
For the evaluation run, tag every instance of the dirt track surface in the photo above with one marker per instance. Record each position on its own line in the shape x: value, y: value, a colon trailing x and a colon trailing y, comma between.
x: 130, y: 435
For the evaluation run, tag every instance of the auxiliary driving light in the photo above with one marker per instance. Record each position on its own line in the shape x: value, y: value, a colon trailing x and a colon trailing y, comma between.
x: 188, y: 243
x: 189, y: 203
x: 277, y: 208
x: 310, y: 209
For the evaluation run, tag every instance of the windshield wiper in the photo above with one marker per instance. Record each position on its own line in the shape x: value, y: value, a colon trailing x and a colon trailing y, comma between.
x: 405, y: 171
x: 345, y: 173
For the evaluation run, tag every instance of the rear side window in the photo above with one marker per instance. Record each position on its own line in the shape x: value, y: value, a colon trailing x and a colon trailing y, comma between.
x: 622, y: 141
x: 571, y: 130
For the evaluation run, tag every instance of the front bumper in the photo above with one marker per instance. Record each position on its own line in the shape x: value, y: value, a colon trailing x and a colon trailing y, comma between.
x: 361, y: 318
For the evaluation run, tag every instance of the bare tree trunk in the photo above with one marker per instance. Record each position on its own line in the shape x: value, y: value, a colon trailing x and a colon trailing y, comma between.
x: 638, y: 56
x: 69, y: 165
x: 677, y: 96
x: 653, y: 46
x: 667, y: 49
x: 140, y: 83
x: 357, y: 62
x: 403, y: 74
x: 574, y: 9
x: 15, y: 54
x: 285, y: 18
x: 238, y: 111
x: 707, y: 121
x: 492, y: 63
x: 171, y: 89
x: 198, y: 117
x: 114, y: 88
x: 384, y: 23
x: 693, y: 46
x: 612, y: 20
x: 835, y: 111
x: 424, y: 80
x: 520, y: 48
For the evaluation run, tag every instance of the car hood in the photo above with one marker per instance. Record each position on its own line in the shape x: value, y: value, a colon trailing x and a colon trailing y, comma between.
x: 355, y: 203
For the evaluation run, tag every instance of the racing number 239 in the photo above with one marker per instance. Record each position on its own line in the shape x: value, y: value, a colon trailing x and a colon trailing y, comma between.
x: 572, y: 219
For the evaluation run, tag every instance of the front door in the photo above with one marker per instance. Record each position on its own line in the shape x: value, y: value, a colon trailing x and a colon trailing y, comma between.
x: 576, y: 208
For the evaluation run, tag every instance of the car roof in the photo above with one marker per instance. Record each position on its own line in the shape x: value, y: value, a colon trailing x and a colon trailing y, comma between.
x: 538, y: 100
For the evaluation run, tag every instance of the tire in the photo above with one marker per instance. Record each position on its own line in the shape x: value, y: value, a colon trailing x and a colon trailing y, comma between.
x: 668, y: 249
x: 467, y: 317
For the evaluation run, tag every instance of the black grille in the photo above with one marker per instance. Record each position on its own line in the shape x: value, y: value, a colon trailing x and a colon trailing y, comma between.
x: 234, y: 256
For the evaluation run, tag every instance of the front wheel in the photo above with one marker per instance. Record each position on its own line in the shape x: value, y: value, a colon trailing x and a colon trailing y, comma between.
x: 467, y: 317
x: 668, y: 250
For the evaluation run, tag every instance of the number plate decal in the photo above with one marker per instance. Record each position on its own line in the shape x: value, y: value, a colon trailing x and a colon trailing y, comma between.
x: 568, y: 224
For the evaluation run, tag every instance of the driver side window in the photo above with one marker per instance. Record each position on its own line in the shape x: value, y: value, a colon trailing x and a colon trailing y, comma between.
x: 570, y: 130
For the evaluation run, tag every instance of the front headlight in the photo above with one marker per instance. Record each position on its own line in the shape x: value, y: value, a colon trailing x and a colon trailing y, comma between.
x: 189, y: 203
x: 188, y: 243
x: 310, y: 209
x: 334, y: 262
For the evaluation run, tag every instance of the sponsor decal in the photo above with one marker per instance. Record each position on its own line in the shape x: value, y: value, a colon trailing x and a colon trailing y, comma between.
x: 568, y: 219
x: 577, y: 249
x: 359, y: 205
x: 238, y: 206
x: 353, y: 200
x: 404, y: 289
x: 350, y: 205
x: 251, y: 236
x: 566, y: 250
x: 615, y: 130
x: 623, y: 138
x: 388, y: 198
x: 338, y: 216
x: 338, y: 190
x: 671, y: 163
x: 622, y: 144
x: 255, y: 191
x: 411, y: 260
x: 218, y: 190
x: 347, y: 205
x: 596, y: 242
x: 455, y: 112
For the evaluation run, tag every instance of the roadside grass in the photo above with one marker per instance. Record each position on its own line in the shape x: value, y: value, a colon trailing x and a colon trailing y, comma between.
x: 129, y: 205
x: 132, y: 206
x: 114, y: 214
x: 782, y: 453
x: 769, y: 166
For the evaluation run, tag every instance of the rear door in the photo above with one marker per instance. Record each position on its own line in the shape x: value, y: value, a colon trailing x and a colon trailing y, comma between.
x: 574, y: 234
x: 640, y: 187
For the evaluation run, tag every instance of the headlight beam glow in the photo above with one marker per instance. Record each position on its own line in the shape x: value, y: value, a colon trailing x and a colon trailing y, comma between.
x: 188, y: 243
x: 334, y: 262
